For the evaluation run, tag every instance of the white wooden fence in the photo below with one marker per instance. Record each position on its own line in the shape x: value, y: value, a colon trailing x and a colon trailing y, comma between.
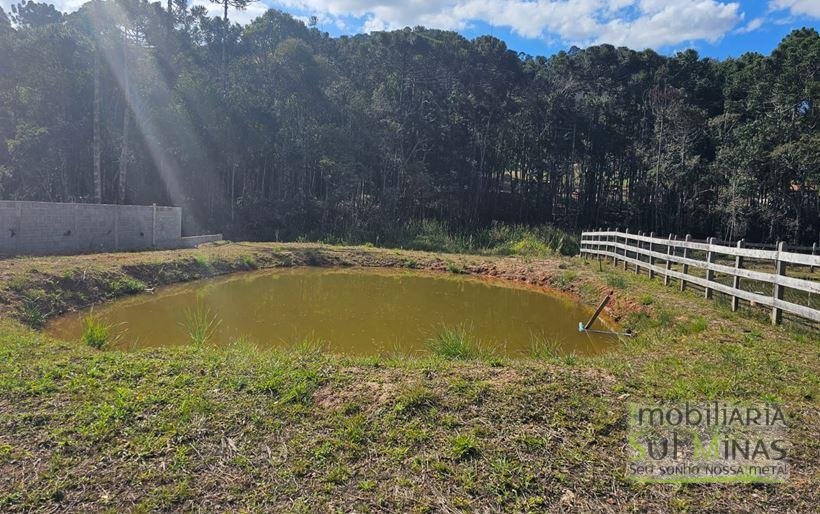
x: 644, y: 252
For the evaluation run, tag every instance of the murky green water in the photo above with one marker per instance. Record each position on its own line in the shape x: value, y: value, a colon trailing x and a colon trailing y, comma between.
x: 354, y: 311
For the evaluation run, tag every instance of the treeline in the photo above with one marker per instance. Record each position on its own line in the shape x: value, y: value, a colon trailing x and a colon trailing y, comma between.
x: 274, y: 130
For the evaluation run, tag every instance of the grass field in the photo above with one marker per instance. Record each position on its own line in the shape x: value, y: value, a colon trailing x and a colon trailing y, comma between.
x: 301, y: 430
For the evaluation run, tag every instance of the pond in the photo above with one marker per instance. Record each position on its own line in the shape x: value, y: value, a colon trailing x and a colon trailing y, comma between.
x: 352, y: 311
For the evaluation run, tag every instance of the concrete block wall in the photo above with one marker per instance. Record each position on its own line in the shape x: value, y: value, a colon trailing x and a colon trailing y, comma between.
x: 194, y: 241
x: 46, y: 228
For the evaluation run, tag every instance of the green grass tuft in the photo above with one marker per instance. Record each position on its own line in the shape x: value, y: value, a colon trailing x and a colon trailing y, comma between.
x: 565, y: 278
x: 457, y: 269
x: 455, y: 344
x: 615, y: 281
x: 31, y: 313
x: 200, y: 324
x: 127, y: 285
x: 694, y: 326
x: 202, y: 260
x: 248, y: 262
x: 313, y: 257
x: 415, y: 399
x: 96, y: 333
x: 464, y: 446
x: 310, y: 346
x: 544, y: 349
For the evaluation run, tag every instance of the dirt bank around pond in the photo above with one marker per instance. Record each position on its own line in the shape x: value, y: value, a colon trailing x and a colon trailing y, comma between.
x: 37, y: 288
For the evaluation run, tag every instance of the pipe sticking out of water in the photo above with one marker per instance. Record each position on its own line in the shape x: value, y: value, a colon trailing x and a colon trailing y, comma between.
x: 598, y: 310
x: 586, y: 328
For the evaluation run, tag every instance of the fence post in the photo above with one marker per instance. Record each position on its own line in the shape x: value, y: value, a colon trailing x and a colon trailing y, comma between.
x: 668, y: 264
x: 813, y: 252
x: 710, y: 258
x: 638, y: 253
x: 581, y: 244
x: 736, y: 278
x: 685, y: 266
x: 777, y: 289
x: 651, y: 257
x: 615, y: 249
x: 598, y: 245
x: 626, y: 245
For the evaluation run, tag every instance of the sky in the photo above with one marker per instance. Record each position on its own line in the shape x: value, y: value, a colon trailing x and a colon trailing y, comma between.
x: 543, y: 27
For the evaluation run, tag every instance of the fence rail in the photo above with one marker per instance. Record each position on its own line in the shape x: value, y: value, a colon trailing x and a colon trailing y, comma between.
x: 643, y: 251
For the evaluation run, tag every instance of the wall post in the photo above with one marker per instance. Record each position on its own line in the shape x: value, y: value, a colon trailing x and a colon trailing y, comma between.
x: 19, y: 227
x: 75, y: 230
x: 116, y: 229
x: 153, y: 226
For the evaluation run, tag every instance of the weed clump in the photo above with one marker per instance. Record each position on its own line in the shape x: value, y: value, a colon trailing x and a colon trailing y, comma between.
x: 200, y: 324
x: 310, y: 347
x: 456, y: 269
x: 544, y: 349
x: 96, y: 333
x: 694, y: 326
x: 31, y: 313
x: 615, y: 281
x: 127, y: 285
x: 464, y: 446
x: 202, y: 260
x: 248, y: 262
x: 313, y: 257
x: 454, y: 344
x: 565, y: 278
x: 414, y: 399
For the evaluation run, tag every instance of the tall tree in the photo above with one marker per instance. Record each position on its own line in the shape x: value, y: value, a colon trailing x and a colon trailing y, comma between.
x: 34, y: 14
x: 357, y: 137
x: 122, y: 176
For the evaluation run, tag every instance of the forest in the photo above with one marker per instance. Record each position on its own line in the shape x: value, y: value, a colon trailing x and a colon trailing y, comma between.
x: 274, y: 130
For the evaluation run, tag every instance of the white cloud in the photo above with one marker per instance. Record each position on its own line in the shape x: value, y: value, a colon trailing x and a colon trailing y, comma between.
x: 669, y: 23
x: 253, y: 10
x: 373, y: 24
x: 635, y: 23
x: 751, y: 26
x: 61, y: 5
x: 797, y: 7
